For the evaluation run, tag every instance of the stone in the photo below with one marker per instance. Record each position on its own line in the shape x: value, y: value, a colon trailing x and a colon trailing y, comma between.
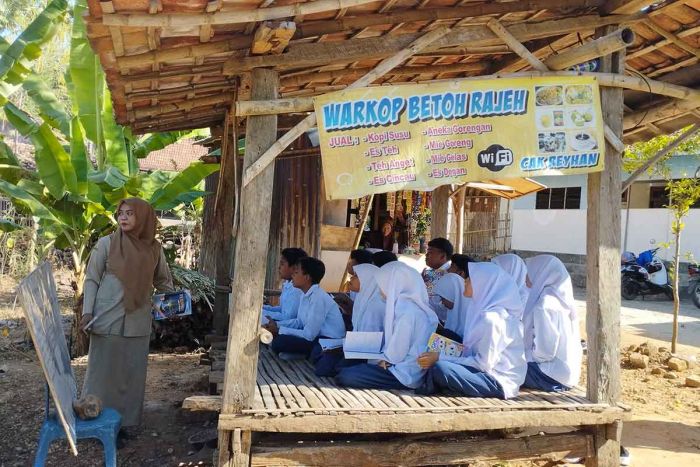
x: 677, y: 364
x: 670, y: 375
x: 658, y: 371
x: 632, y: 348
x: 638, y: 360
x: 692, y: 381
x: 690, y: 361
x: 663, y: 349
x: 650, y: 350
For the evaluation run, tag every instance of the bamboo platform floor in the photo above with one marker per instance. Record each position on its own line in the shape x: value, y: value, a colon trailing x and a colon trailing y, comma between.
x: 291, y: 398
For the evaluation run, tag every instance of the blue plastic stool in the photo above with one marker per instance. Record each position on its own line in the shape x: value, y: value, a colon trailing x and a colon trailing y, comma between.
x: 105, y: 428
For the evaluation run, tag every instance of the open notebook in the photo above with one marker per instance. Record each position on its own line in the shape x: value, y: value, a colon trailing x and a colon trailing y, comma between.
x: 363, y: 345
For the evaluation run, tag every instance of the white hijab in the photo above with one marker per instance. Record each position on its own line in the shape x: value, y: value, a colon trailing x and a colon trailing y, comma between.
x: 494, y: 290
x: 368, y: 299
x: 402, y: 285
x: 516, y: 267
x: 548, y: 276
x: 451, y: 287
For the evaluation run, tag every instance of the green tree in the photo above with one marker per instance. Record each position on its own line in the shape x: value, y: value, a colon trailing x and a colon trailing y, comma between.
x: 683, y: 193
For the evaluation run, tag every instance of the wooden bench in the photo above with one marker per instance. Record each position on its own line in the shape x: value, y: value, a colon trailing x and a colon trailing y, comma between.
x: 290, y: 398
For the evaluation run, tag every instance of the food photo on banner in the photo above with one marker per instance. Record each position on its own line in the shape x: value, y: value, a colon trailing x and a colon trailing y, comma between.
x: 419, y: 137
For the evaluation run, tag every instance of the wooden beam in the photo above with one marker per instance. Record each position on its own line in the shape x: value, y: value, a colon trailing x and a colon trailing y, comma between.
x: 619, y: 39
x: 251, y: 244
x: 515, y: 45
x: 603, y: 268
x: 625, y: 7
x: 176, y: 20
x: 184, y: 106
x: 305, y: 104
x: 693, y: 130
x: 665, y: 110
x: 305, y: 55
x: 272, y: 37
x: 309, y: 122
x: 409, y: 452
x: 675, y: 40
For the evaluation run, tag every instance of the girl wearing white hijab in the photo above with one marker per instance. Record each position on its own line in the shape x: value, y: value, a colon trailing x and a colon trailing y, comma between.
x: 492, y: 363
x: 368, y: 309
x: 515, y: 266
x: 408, y: 323
x: 450, y: 288
x: 552, y: 338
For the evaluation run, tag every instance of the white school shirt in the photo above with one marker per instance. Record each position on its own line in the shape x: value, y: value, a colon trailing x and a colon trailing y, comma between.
x: 552, y: 336
x: 430, y: 277
x: 493, y: 332
x: 318, y: 316
x: 369, y: 307
x: 451, y: 288
x: 289, y: 303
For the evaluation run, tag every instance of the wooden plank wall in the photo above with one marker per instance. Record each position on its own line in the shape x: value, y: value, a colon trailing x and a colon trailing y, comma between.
x: 296, y: 209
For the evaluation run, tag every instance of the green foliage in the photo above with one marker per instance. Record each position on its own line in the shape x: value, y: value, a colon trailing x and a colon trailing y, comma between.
x: 638, y: 154
x: 683, y: 194
x: 200, y: 286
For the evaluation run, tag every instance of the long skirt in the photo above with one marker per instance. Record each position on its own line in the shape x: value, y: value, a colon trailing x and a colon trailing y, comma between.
x: 116, y: 373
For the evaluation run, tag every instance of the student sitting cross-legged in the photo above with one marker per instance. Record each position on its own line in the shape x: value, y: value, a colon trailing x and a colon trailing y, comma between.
x: 552, y: 337
x: 516, y: 268
x: 318, y: 316
x: 450, y: 289
x: 408, y: 323
x: 291, y: 296
x: 492, y: 363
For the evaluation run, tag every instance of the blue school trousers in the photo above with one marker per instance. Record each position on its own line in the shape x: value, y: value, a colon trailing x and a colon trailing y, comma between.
x: 292, y: 344
x: 326, y: 363
x: 368, y: 376
x: 464, y: 380
x: 536, y: 379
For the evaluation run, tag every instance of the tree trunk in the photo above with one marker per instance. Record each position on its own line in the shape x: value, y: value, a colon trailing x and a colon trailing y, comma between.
x: 81, y: 341
x: 676, y: 297
x: 208, y: 251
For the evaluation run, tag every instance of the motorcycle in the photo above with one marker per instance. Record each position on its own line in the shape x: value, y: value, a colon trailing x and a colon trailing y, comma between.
x: 644, y: 275
x: 694, y: 283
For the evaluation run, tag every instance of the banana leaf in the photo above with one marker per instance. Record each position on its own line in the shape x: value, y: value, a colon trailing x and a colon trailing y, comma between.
x: 116, y: 154
x: 19, y: 195
x: 108, y: 179
x: 8, y: 226
x: 157, y: 141
x: 79, y: 156
x: 86, y: 83
x: 28, y: 44
x: 50, y: 108
x: 14, y: 77
x: 7, y: 156
x: 184, y: 198
x: 183, y: 182
x: 53, y: 162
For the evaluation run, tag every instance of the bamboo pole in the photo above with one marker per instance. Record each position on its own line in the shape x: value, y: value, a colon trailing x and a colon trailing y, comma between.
x: 176, y: 20
x: 600, y: 47
x: 659, y: 155
x: 305, y: 104
x: 515, y: 45
x: 672, y: 37
x: 309, y: 122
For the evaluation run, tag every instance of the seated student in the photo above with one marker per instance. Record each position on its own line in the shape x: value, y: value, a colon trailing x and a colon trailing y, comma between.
x: 291, y: 296
x: 357, y: 257
x: 552, y: 338
x: 437, y: 258
x: 318, y: 316
x: 458, y: 264
x: 516, y: 268
x: 381, y: 258
x: 450, y: 289
x: 408, y: 323
x: 493, y: 360
x: 368, y: 309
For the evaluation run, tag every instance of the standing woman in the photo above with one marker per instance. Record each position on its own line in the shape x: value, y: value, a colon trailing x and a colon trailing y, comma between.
x: 515, y: 266
x: 124, y: 268
x: 552, y: 337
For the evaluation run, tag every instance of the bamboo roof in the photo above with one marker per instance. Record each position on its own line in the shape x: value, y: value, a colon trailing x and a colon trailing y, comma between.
x: 172, y: 64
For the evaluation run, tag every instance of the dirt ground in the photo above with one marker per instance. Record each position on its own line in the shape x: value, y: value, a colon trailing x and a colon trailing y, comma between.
x: 664, y: 430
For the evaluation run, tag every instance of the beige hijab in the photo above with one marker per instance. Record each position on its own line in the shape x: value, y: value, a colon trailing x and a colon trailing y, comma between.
x: 133, y: 256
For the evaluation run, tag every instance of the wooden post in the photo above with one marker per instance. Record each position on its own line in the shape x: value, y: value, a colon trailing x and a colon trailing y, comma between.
x: 224, y: 206
x: 363, y: 215
x: 249, y: 274
x: 439, y: 208
x: 459, y: 218
x: 603, y: 265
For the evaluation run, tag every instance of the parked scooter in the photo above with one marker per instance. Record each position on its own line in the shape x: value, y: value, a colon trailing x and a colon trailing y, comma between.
x: 644, y: 275
x: 694, y: 283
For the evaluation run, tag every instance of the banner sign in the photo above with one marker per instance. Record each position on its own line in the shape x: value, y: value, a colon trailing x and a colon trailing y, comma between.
x: 418, y: 137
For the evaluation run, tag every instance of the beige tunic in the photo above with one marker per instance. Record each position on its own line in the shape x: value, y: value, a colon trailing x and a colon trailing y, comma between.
x: 119, y: 341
